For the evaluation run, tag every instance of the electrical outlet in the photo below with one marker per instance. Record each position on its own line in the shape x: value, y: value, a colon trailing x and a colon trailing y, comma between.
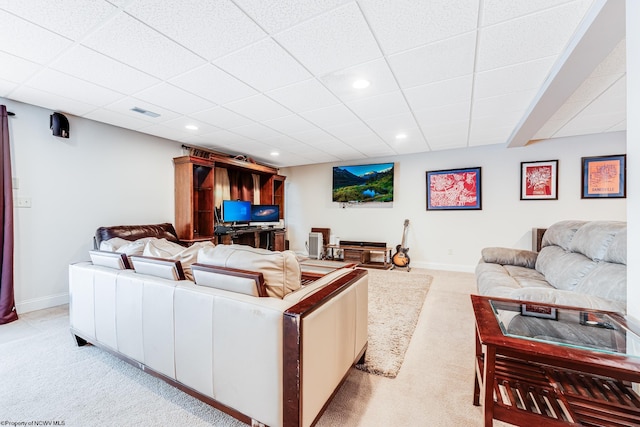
x: 449, y: 251
x: 23, y: 202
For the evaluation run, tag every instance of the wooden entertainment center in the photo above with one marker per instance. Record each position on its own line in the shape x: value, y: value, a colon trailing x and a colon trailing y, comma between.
x: 360, y: 253
x: 195, y: 203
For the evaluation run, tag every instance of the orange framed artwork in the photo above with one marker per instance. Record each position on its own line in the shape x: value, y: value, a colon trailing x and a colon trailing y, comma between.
x: 604, y: 177
x: 539, y: 180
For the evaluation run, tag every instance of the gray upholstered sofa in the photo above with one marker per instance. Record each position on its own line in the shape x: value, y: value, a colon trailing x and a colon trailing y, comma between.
x: 581, y: 264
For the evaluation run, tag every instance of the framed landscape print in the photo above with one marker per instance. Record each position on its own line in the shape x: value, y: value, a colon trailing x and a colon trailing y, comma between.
x: 454, y: 189
x: 604, y: 177
x: 539, y: 180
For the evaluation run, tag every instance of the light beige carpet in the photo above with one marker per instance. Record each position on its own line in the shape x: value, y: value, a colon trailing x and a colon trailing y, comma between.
x: 396, y: 298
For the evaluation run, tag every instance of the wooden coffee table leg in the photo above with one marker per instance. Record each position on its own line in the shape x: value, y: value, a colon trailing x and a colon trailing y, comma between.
x: 476, y: 371
x: 489, y: 379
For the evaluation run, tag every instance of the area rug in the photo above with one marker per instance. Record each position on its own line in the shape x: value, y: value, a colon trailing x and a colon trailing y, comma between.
x: 395, y: 302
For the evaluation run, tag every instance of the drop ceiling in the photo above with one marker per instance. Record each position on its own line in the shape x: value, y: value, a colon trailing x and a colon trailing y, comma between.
x: 261, y: 77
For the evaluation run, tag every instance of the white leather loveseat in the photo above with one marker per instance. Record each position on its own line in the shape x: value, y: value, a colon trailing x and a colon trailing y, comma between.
x: 265, y: 360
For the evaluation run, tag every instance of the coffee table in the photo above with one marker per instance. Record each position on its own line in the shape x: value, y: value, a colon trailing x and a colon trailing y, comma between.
x: 554, y: 365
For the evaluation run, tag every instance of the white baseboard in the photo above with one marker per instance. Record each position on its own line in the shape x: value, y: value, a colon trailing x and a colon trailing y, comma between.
x: 42, y: 303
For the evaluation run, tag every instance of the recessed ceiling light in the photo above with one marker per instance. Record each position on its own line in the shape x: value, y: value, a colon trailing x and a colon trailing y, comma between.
x: 401, y: 136
x: 191, y: 127
x: 275, y: 153
x: 361, y: 84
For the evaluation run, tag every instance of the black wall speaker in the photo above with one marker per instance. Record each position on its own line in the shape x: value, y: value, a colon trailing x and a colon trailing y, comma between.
x: 59, y: 125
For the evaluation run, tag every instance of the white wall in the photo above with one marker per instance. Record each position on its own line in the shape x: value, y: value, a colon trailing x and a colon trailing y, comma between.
x: 504, y: 220
x: 101, y: 175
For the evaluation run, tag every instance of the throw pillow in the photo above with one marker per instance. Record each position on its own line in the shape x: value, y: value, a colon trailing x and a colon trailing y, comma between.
x: 162, y: 248
x: 281, y: 270
x: 113, y: 244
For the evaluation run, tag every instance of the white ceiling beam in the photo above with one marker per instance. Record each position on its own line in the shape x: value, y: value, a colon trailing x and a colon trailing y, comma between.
x: 600, y: 31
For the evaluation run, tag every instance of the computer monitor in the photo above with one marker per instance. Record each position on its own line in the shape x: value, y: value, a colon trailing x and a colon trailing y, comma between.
x: 236, y: 211
x: 265, y: 214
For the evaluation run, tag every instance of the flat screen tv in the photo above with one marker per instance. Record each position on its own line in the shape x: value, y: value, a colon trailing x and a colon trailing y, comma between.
x: 363, y: 183
x: 236, y: 211
x: 265, y: 214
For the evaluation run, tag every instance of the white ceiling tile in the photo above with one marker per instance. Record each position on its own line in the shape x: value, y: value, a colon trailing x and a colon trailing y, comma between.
x: 409, y: 147
x: 82, y: 62
x: 494, y: 11
x: 181, y: 124
x: 51, y: 101
x: 504, y: 120
x: 209, y: 28
x: 116, y: 119
x: 317, y: 137
x: 224, y: 137
x: 347, y: 131
x: 403, y: 24
x: 165, y: 132
x: 586, y: 123
x: 334, y: 40
x: 503, y: 104
x: 290, y: 124
x: 304, y: 96
x: 440, y: 93
x: 130, y: 41
x: 212, y: 83
x: 55, y: 82
x: 620, y: 126
x: 258, y: 108
x: 124, y: 106
x: 29, y: 41
x: 330, y: 116
x: 446, y: 113
x: 276, y: 16
x: 69, y: 18
x: 448, y: 135
x: 443, y: 60
x: 390, y: 126
x: 256, y: 131
x: 15, y: 69
x: 6, y: 87
x: 174, y: 99
x: 531, y: 37
x: 379, y: 106
x: 222, y: 118
x: 593, y: 87
x: 513, y: 78
x: 377, y: 72
x: 263, y: 66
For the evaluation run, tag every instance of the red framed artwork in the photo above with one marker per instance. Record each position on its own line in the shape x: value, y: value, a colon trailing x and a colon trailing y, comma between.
x: 539, y: 180
x: 454, y: 189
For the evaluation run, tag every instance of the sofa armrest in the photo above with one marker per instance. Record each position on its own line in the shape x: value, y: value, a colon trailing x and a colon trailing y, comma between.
x: 509, y: 256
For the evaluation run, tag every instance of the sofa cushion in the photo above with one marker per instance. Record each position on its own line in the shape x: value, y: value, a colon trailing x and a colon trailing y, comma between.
x: 281, y: 270
x: 112, y: 245
x: 561, y: 233
x: 605, y: 280
x: 563, y: 269
x: 162, y: 248
x: 595, y: 238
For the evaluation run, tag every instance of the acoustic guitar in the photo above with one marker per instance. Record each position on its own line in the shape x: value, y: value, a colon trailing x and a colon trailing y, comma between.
x: 401, y: 258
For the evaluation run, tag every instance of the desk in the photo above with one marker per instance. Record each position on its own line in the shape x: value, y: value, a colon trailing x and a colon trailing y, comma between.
x: 266, y: 238
x: 553, y: 380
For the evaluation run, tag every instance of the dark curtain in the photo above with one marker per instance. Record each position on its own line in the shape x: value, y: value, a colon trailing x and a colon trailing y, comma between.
x: 241, y: 184
x: 7, y: 302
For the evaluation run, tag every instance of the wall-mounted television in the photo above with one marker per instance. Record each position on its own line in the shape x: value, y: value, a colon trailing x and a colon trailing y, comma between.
x: 363, y: 183
x: 265, y: 214
x: 236, y: 211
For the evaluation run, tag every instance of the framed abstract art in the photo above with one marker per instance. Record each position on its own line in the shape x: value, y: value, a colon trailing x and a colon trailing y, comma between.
x: 454, y: 189
x: 539, y: 180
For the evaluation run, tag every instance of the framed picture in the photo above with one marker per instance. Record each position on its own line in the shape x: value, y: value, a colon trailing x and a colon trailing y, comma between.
x: 604, y: 177
x: 542, y: 311
x: 454, y: 189
x: 539, y: 180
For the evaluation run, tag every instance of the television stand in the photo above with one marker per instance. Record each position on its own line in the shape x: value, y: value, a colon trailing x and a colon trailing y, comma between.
x: 360, y: 253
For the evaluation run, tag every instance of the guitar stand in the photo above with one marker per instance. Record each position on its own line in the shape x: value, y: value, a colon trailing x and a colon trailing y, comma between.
x: 406, y: 267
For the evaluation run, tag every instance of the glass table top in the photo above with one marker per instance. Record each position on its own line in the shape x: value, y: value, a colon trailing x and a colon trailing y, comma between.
x: 579, y: 328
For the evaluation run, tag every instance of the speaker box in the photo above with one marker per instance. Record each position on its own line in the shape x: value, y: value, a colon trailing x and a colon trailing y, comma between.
x: 59, y: 125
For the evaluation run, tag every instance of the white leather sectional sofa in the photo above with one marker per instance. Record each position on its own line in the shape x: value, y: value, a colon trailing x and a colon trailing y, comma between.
x: 265, y: 360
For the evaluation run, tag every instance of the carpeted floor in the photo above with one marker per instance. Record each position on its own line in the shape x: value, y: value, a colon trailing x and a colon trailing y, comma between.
x: 395, y: 302
x: 45, y: 377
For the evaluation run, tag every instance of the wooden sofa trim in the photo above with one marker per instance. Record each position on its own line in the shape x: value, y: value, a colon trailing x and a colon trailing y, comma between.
x: 236, y: 272
x: 292, y: 341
